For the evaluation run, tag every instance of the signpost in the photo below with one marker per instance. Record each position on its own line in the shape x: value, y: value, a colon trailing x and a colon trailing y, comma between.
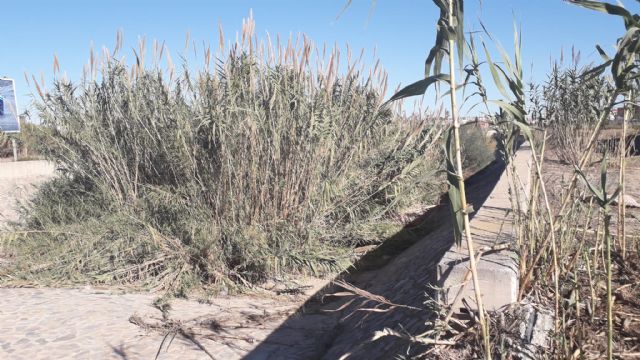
x: 9, y: 119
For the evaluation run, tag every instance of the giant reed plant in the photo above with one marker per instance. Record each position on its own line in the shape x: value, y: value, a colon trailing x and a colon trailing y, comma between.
x: 603, y: 199
x: 276, y: 160
x: 623, y: 69
x: 570, y: 105
x: 450, y: 37
x: 580, y: 102
x: 539, y: 229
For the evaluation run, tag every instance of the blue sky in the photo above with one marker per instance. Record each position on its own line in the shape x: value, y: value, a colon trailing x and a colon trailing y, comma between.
x: 402, y: 31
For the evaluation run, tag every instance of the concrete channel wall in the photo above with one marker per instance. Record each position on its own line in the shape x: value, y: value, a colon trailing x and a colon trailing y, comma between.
x: 492, y: 224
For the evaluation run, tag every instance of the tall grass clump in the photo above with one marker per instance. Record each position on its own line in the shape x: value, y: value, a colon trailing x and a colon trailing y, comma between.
x: 584, y: 306
x: 274, y: 157
x: 572, y: 101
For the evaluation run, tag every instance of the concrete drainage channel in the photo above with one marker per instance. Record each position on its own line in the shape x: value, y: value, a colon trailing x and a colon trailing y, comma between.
x: 491, y: 226
x: 410, y: 275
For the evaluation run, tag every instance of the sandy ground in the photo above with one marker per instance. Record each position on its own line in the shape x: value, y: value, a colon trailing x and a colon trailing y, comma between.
x: 92, y: 324
x: 558, y: 176
x: 18, y: 181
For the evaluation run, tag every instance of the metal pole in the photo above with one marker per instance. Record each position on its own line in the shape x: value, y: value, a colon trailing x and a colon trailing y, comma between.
x: 14, y: 144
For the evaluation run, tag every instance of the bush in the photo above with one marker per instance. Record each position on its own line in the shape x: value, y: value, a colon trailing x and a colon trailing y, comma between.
x: 570, y: 109
x: 478, y: 150
x: 259, y: 167
x: 30, y: 141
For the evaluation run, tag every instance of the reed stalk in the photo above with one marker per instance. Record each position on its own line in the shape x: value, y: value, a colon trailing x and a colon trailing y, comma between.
x: 622, y: 212
x: 554, y: 248
x: 463, y: 198
x: 604, y: 200
x: 607, y: 237
x: 560, y: 214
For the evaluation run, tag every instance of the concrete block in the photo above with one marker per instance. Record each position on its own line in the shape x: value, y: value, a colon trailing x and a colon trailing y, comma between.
x: 534, y: 327
x: 498, y: 276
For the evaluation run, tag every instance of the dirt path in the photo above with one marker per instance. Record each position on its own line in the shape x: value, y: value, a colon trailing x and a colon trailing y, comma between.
x: 89, y: 324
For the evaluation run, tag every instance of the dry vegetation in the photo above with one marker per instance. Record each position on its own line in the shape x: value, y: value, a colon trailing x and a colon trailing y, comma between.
x: 267, y: 165
x: 267, y: 160
x: 571, y: 105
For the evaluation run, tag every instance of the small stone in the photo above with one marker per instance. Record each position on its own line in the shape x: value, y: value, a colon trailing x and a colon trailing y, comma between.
x: 542, y: 327
x: 629, y: 202
x: 534, y: 327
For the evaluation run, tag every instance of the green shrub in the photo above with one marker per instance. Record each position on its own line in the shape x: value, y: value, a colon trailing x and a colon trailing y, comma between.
x: 478, y: 150
x: 31, y: 140
x: 262, y: 166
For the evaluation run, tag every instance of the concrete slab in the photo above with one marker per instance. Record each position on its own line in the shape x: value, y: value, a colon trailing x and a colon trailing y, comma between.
x: 491, y: 225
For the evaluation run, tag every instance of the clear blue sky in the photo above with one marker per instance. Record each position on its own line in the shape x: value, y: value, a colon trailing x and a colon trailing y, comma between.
x: 402, y: 31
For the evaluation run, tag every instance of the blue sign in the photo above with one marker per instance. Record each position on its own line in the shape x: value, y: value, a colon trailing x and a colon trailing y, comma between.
x: 9, y: 122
